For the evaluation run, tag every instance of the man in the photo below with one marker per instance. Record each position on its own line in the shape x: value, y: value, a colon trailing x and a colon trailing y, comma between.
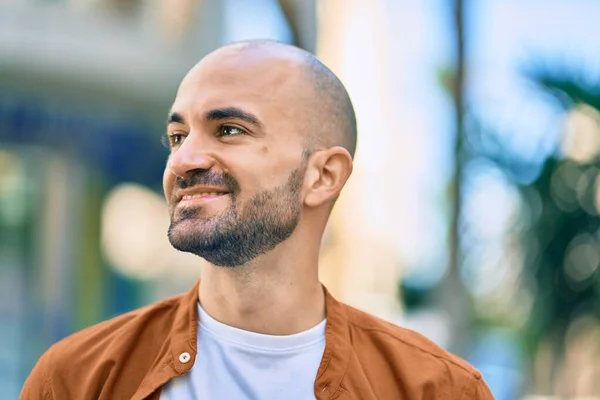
x: 261, y: 139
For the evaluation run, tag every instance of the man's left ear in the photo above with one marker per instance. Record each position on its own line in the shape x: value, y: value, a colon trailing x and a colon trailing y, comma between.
x: 326, y: 174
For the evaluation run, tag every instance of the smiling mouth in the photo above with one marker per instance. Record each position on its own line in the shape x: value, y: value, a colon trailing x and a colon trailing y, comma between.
x: 200, y: 198
x: 202, y: 195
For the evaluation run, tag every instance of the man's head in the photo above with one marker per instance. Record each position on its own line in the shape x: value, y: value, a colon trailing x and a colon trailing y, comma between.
x: 261, y: 136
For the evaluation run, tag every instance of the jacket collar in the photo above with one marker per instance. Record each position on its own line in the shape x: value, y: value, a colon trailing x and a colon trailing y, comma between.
x: 337, y: 348
x: 182, y: 338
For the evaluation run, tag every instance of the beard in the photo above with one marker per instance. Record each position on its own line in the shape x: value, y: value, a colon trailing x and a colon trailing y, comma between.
x: 239, y: 234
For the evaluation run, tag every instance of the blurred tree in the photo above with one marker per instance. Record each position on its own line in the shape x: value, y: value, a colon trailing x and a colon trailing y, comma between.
x: 562, y: 245
x: 302, y: 17
x: 559, y: 226
x: 451, y: 294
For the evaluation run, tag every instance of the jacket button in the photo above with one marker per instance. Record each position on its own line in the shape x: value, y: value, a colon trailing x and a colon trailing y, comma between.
x: 184, y: 357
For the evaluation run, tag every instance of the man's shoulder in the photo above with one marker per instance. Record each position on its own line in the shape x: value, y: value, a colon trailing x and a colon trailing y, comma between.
x: 94, y: 353
x: 111, y: 338
x: 399, y: 343
x: 393, y: 362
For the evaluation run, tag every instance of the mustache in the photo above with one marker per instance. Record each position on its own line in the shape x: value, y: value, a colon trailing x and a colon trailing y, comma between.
x: 207, y: 178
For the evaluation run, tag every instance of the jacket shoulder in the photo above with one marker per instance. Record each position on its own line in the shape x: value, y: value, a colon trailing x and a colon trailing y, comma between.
x: 410, y: 359
x: 101, y: 346
x: 402, y: 341
x: 117, y: 328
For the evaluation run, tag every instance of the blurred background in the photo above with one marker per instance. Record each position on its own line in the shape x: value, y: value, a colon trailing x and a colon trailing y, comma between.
x: 479, y: 133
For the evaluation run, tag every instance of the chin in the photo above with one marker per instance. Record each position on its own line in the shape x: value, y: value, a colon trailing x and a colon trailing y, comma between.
x: 184, y: 238
x: 204, y: 244
x: 190, y: 229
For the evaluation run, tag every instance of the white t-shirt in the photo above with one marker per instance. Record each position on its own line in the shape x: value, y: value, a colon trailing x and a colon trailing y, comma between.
x: 237, y: 364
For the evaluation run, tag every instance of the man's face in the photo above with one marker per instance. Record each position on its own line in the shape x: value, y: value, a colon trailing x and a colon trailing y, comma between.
x: 234, y: 177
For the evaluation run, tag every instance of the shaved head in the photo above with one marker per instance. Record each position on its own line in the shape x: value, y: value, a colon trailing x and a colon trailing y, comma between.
x: 333, y: 107
x: 330, y: 118
x: 261, y: 137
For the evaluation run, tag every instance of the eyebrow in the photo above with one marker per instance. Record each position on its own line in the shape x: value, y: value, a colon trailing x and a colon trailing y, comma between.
x: 230, y: 113
x: 175, y: 118
x: 219, y: 114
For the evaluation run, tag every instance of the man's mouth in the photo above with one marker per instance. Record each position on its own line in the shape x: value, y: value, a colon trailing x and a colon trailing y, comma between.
x: 202, y: 195
x: 201, y: 198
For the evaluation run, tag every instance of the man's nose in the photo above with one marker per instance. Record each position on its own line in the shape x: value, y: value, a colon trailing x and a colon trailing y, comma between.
x: 191, y: 155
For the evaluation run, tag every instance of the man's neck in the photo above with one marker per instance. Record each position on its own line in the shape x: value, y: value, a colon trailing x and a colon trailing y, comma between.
x: 264, y: 297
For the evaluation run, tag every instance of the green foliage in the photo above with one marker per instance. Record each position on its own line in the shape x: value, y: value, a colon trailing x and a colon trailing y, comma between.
x: 560, y: 224
x: 568, y: 89
x: 561, y: 246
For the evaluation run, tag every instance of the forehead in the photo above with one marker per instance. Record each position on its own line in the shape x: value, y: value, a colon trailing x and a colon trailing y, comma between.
x: 263, y: 83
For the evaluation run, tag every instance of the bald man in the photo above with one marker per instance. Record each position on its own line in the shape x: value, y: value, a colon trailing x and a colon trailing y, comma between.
x: 261, y: 138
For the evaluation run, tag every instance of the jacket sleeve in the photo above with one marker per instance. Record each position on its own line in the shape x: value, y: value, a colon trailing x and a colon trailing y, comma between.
x: 37, y: 385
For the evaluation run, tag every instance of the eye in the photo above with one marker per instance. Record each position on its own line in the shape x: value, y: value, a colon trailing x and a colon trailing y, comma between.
x: 230, y: 130
x: 176, y: 139
x: 173, y: 140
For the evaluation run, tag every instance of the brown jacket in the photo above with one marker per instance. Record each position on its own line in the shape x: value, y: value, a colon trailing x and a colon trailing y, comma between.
x: 133, y: 355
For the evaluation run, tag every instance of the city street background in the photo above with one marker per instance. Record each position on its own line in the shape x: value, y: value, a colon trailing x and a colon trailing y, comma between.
x: 473, y: 214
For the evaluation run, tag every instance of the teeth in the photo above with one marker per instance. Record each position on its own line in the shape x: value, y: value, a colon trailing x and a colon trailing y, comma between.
x: 198, y: 195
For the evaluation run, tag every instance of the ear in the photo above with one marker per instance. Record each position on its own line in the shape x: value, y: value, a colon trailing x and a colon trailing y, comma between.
x: 326, y: 175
